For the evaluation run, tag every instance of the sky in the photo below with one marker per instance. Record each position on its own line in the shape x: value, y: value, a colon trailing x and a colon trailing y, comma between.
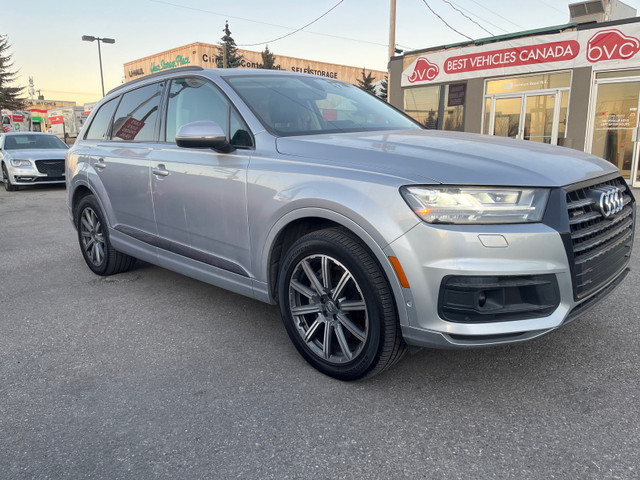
x: 46, y: 36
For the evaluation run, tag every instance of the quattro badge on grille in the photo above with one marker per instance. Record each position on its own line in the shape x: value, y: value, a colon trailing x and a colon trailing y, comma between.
x: 608, y: 199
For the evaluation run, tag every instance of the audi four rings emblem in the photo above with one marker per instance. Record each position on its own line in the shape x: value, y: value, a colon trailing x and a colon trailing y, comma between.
x: 609, y: 200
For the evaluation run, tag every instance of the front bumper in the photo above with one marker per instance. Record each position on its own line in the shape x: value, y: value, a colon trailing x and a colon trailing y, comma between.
x: 543, y: 253
x: 429, y: 254
x: 21, y: 176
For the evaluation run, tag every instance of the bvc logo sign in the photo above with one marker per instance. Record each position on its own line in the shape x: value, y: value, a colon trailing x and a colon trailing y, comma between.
x: 611, y: 45
x: 424, y: 70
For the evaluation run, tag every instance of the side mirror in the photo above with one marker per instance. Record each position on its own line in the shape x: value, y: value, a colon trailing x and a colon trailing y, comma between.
x: 203, y: 133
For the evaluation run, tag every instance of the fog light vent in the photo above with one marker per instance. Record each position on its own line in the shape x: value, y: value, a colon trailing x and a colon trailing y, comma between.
x: 482, y: 299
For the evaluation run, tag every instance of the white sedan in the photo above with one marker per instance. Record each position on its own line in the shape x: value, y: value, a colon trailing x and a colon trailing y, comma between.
x: 31, y: 158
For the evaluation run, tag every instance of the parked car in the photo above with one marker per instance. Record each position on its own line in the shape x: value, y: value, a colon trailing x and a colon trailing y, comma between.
x: 31, y: 158
x: 371, y: 233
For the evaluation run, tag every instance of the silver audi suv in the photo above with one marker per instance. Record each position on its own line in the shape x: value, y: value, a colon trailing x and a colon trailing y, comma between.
x: 371, y: 233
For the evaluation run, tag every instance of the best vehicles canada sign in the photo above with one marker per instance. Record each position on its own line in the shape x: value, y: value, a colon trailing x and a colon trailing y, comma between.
x: 603, y: 48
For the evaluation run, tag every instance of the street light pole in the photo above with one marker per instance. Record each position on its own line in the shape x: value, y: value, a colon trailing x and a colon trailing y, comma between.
x: 89, y: 38
x: 100, y: 60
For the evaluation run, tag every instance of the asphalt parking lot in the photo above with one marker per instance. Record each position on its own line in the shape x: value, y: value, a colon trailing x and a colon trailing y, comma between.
x: 150, y: 374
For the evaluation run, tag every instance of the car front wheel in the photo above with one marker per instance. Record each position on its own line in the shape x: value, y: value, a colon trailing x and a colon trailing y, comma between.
x: 6, y: 180
x: 337, y: 306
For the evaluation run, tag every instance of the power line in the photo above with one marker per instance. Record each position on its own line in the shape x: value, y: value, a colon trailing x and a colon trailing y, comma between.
x: 443, y: 21
x: 266, y: 23
x: 551, y: 6
x: 481, y: 18
x: 295, y: 31
x: 452, y: 5
x: 498, y: 15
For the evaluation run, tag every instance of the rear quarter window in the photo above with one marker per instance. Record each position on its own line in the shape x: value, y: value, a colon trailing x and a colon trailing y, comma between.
x: 100, y: 123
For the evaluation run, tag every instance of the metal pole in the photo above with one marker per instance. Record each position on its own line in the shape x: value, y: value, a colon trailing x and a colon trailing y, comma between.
x: 392, y: 30
x: 100, y: 58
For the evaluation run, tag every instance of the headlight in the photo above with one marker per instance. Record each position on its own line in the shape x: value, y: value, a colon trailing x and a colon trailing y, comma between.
x: 20, y: 163
x: 476, y: 205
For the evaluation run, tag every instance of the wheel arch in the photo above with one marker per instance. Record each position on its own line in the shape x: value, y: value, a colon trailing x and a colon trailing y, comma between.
x: 300, y: 222
x: 79, y: 193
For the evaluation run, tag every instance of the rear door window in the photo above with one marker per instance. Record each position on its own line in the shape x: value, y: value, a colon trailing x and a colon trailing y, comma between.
x: 100, y: 123
x: 135, y: 119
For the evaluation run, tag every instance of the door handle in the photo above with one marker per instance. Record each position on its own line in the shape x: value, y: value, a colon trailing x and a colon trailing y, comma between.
x: 100, y: 164
x: 160, y: 171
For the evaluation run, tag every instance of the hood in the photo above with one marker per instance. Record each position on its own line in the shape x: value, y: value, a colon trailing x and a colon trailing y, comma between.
x: 449, y: 157
x: 38, y: 154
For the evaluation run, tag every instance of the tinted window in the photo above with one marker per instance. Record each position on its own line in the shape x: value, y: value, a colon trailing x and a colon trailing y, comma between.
x: 100, y: 124
x: 297, y: 105
x: 135, y: 119
x: 193, y: 99
x: 25, y: 142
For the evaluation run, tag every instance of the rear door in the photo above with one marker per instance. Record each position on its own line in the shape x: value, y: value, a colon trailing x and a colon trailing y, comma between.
x: 122, y: 163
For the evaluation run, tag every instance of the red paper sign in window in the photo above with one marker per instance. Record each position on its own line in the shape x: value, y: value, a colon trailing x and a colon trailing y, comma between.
x: 129, y: 129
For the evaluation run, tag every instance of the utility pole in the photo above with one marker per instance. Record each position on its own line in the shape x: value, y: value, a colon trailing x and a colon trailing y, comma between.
x: 392, y: 30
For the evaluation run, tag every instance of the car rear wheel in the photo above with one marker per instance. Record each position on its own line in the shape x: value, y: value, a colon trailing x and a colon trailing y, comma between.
x: 6, y: 180
x: 93, y: 236
x: 337, y: 306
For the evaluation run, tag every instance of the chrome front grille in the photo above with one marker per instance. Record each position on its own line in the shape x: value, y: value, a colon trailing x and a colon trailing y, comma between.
x: 601, y: 220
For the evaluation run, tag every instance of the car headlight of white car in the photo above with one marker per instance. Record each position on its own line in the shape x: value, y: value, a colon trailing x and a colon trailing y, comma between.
x: 20, y: 163
x: 476, y: 205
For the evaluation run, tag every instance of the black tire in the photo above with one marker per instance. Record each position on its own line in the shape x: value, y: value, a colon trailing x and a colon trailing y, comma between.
x: 347, y: 329
x: 6, y: 179
x: 93, y: 237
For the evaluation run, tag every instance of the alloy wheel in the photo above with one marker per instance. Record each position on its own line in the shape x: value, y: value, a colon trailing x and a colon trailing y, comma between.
x: 328, y: 308
x: 92, y: 236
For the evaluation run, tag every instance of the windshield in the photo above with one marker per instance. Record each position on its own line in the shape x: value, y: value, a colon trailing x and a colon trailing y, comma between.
x: 297, y: 105
x: 28, y: 142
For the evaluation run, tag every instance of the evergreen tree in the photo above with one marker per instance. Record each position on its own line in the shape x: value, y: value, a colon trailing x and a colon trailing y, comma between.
x: 228, y: 43
x: 268, y: 59
x: 384, y: 88
x: 8, y: 95
x: 366, y: 82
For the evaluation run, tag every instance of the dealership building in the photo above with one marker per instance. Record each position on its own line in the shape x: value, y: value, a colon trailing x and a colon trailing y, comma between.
x: 575, y: 85
x: 205, y: 54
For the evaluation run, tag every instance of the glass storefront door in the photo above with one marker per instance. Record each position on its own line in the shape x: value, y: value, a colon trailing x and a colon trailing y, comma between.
x: 536, y: 117
x: 530, y: 107
x: 615, y: 125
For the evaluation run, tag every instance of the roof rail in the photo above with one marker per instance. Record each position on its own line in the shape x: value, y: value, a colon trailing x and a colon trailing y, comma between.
x: 192, y: 68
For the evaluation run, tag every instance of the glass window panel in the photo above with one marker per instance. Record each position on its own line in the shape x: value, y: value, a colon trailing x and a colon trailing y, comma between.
x: 616, y: 115
x: 487, y: 116
x: 100, y: 123
x: 135, y: 119
x: 562, y: 121
x: 507, y: 117
x: 193, y: 99
x: 529, y: 82
x: 618, y: 74
x: 453, y: 114
x: 422, y: 105
x: 538, y: 121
